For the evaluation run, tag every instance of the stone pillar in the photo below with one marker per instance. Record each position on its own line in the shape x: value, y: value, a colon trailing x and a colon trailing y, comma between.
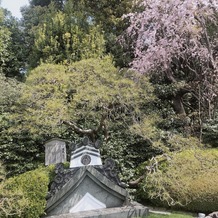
x: 55, y: 151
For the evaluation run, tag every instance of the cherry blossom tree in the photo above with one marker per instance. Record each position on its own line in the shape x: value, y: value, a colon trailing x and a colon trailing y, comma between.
x: 177, y: 41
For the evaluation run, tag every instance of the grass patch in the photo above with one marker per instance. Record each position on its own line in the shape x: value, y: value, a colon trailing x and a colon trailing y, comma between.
x: 173, y: 215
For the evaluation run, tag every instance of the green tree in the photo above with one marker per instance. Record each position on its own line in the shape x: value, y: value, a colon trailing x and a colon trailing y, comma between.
x: 61, y: 36
x: 65, y: 38
x: 16, y: 60
x: 31, y: 18
x: 90, y: 91
x: 43, y: 3
x: 88, y: 97
x: 4, y: 42
x: 109, y: 15
x: 97, y: 24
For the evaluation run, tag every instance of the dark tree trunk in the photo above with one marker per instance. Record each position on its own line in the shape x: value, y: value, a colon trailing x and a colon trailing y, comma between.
x: 178, y: 105
x: 177, y: 99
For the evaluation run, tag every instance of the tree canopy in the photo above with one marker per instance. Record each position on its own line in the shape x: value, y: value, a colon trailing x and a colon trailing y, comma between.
x: 61, y: 36
x: 90, y: 97
x: 175, y: 42
x: 89, y: 91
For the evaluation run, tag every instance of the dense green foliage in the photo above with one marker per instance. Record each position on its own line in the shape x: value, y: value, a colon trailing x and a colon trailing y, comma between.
x: 57, y: 41
x: 108, y: 14
x: 185, y: 180
x: 62, y: 36
x: 86, y: 91
x: 89, y: 94
x: 72, y: 88
x: 24, y: 195
x: 4, y: 42
x: 12, y: 47
x: 67, y: 31
x: 16, y: 62
x: 210, y: 132
x: 19, y: 151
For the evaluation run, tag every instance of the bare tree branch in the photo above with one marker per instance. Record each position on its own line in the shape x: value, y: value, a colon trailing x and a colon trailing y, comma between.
x: 77, y: 129
x: 91, y: 133
x: 135, y: 183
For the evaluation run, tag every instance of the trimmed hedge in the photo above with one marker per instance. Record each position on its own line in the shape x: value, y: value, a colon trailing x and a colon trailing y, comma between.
x: 25, y: 195
x: 186, y: 180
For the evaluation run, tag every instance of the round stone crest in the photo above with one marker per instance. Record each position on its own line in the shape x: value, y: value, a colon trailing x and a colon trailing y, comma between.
x: 86, y: 159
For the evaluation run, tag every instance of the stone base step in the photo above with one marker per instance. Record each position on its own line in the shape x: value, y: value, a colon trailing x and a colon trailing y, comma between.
x: 117, y: 212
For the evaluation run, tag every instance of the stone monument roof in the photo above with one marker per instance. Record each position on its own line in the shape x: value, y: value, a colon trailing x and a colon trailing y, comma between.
x: 78, y: 182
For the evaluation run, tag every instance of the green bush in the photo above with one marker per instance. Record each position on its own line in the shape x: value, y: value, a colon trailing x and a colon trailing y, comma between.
x: 210, y: 132
x: 25, y: 195
x: 185, y: 180
x: 9, y: 199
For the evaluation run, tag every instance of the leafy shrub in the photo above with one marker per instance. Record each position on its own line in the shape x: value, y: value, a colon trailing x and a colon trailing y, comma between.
x: 9, y: 200
x: 185, y: 180
x: 210, y: 132
x: 12, y: 203
x: 25, y: 195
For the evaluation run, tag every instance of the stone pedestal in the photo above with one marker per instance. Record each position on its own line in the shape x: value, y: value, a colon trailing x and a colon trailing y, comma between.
x: 133, y: 211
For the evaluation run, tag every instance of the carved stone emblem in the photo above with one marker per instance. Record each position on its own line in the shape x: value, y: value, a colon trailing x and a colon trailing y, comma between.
x: 109, y: 170
x: 97, y: 144
x: 62, y: 176
x: 86, y: 159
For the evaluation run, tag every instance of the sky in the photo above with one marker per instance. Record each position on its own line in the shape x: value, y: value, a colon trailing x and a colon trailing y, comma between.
x: 14, y: 6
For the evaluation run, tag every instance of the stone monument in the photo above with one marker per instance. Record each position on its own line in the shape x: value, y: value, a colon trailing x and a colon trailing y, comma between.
x: 55, y: 151
x: 88, y: 188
